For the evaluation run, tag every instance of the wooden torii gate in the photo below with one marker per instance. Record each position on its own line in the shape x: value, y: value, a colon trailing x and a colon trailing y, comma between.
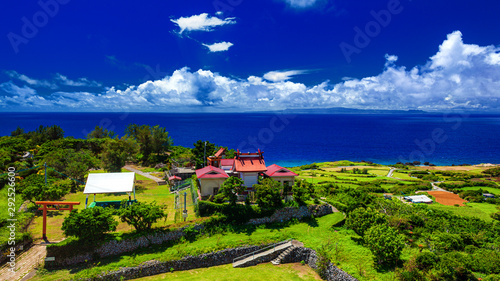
x: 57, y: 208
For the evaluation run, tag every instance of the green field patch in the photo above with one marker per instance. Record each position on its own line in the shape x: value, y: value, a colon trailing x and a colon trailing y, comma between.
x: 477, y: 210
x: 491, y: 190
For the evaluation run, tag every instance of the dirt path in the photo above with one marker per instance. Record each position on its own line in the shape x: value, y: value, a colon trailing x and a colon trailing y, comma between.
x: 157, y: 180
x: 25, y: 263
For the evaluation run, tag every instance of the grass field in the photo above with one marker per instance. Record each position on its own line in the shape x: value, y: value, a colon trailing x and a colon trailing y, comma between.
x: 264, y: 272
x: 478, y: 210
x: 491, y: 190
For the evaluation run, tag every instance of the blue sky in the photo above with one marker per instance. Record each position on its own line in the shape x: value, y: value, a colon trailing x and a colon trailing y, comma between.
x: 242, y: 55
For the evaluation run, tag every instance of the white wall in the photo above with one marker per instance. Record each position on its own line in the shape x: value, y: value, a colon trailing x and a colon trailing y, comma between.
x: 207, y: 186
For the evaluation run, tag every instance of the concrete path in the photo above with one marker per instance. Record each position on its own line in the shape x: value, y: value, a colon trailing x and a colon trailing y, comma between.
x: 389, y: 175
x: 25, y: 263
x: 437, y: 188
x: 157, y: 180
x: 270, y: 251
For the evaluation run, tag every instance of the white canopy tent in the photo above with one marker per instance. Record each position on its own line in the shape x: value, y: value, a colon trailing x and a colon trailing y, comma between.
x: 109, y: 183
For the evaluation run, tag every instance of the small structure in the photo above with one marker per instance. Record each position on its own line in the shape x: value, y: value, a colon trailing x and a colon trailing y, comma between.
x: 419, y: 199
x: 56, y: 207
x: 283, y: 175
x: 211, y: 179
x: 488, y: 195
x: 99, y: 183
x: 387, y: 196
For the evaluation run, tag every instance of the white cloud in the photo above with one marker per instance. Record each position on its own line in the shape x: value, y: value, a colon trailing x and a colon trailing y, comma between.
x: 301, y: 4
x: 458, y: 76
x: 202, y: 22
x: 80, y: 82
x: 30, y: 81
x: 276, y: 76
x: 219, y: 47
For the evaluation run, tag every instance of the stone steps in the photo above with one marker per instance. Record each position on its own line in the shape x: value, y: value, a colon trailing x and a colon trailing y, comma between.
x: 278, y: 260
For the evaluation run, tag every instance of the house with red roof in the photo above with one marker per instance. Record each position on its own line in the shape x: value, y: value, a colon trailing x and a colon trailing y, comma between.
x: 210, y: 179
x: 283, y: 175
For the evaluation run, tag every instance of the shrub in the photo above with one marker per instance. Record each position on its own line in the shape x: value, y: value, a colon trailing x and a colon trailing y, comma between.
x: 89, y: 224
x: 361, y: 219
x: 426, y: 260
x: 385, y: 243
x: 142, y: 215
x: 268, y: 194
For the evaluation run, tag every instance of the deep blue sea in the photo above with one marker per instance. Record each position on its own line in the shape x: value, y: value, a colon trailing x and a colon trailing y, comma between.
x: 292, y: 140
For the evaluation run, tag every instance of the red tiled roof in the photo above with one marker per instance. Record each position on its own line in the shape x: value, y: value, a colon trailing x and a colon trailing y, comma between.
x: 219, y: 153
x: 250, y: 164
x: 278, y: 171
x: 227, y: 162
x: 211, y: 172
x: 174, y: 178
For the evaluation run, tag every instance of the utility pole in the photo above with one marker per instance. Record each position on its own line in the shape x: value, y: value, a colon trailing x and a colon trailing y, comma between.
x: 205, y: 155
x: 45, y: 165
x: 185, y: 212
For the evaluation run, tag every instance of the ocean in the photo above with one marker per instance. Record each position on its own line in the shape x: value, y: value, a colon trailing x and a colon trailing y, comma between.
x: 292, y: 140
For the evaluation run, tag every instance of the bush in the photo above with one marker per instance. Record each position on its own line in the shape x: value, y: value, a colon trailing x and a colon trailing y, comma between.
x: 426, y: 260
x: 361, y: 219
x: 385, y: 243
x: 89, y: 224
x: 268, y: 194
x: 142, y: 215
x: 301, y: 192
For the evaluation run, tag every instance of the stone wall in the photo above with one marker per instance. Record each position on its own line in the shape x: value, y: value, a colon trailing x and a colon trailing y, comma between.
x: 66, y: 257
x: 114, y: 247
x: 310, y: 257
x: 226, y: 256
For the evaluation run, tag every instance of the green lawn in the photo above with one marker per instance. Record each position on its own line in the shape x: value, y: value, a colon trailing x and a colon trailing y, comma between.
x: 478, y: 210
x: 340, y: 244
x: 264, y: 272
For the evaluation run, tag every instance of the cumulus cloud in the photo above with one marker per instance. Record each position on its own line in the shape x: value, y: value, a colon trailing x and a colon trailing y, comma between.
x: 219, y: 47
x: 301, y: 4
x: 276, y: 76
x: 458, y: 76
x: 202, y: 22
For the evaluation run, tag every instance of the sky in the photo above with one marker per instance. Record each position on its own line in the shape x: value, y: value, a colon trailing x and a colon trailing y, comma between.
x: 249, y: 55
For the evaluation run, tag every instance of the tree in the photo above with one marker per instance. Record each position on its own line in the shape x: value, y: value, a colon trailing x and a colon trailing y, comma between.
x: 100, y: 133
x: 74, y: 164
x: 300, y: 192
x: 116, y: 152
x: 33, y: 188
x: 385, y: 243
x: 142, y: 215
x: 361, y: 219
x: 90, y: 224
x: 268, y: 194
x: 153, y: 142
x: 231, y: 187
x: 199, y: 151
x: 495, y: 216
x: 17, y: 132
